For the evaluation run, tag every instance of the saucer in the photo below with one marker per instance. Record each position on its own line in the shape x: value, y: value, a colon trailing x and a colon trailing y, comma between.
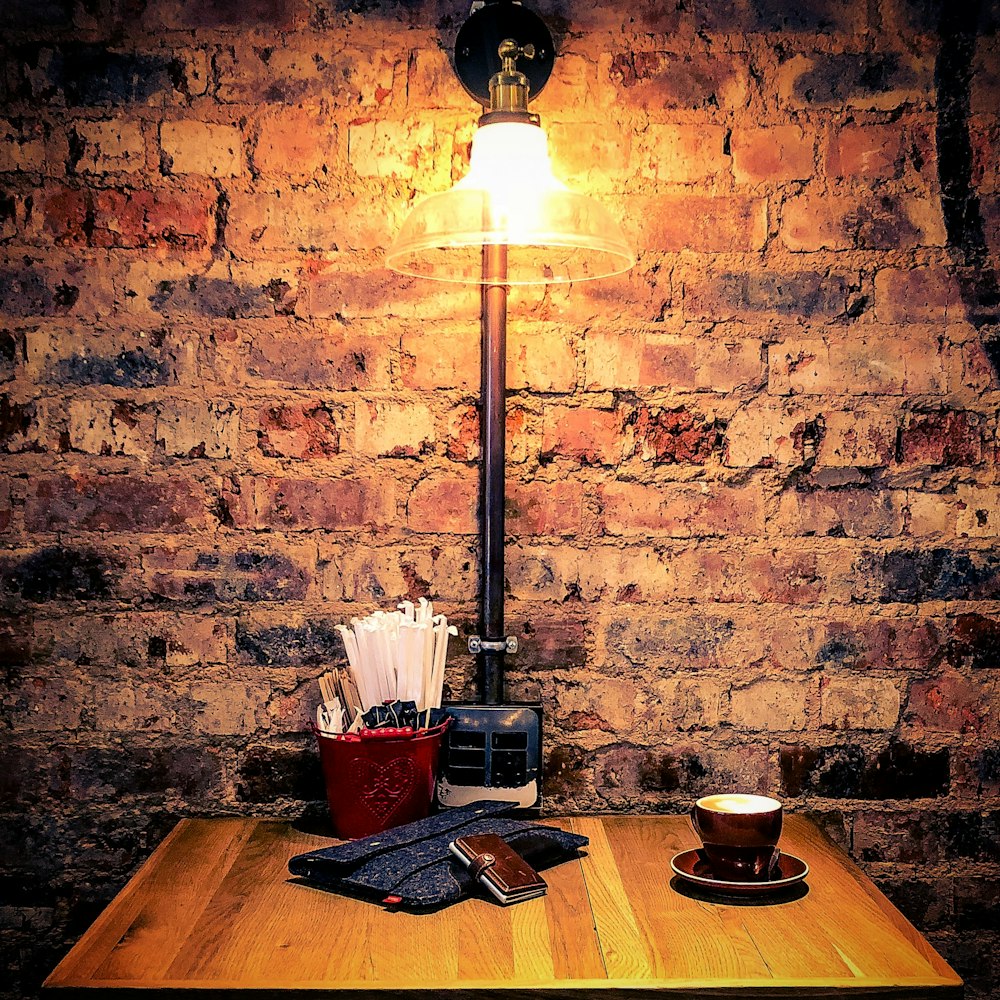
x: 693, y: 867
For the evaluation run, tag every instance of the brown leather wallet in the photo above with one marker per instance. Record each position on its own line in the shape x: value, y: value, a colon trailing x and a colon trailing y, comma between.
x: 503, y: 871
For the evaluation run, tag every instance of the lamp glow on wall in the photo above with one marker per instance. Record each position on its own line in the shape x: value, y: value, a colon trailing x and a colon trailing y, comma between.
x: 509, y: 221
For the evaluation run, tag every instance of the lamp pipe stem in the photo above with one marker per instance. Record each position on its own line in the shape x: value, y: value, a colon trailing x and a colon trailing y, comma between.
x: 493, y: 385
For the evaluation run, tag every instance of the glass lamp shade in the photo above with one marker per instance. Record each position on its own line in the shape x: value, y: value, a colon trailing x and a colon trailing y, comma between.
x: 510, y: 197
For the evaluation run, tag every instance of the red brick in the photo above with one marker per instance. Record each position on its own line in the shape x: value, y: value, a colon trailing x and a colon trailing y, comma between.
x: 681, y: 510
x: 953, y: 703
x: 351, y: 294
x: 192, y: 147
x: 625, y: 775
x: 826, y: 18
x: 298, y: 430
x: 297, y: 142
x: 771, y: 705
x: 19, y: 426
x: 393, y: 429
x: 184, y: 15
x: 444, y: 504
x: 586, y: 435
x: 642, y: 294
x: 680, y: 154
x: 984, y: 98
x: 777, y: 435
x: 977, y: 772
x: 612, y: 358
x: 878, y: 152
x: 589, y: 157
x: 977, y: 372
x: 115, y: 146
x: 607, y: 705
x: 619, y: 358
x: 198, y: 430
x: 332, y: 359
x: 13, y: 216
x: 178, y: 219
x: 943, y: 437
x: 641, y: 15
x: 889, y: 643
x: 249, y: 73
x: 718, y: 365
x: 879, y: 364
x: 22, y: 146
x: 851, y: 702
x: 104, y: 427
x: 917, y: 295
x: 118, y: 503
x: 259, y: 570
x: 541, y: 358
x: 788, y: 295
x: 984, y: 135
x: 870, y: 80
x: 311, y: 220
x: 695, y: 638
x: 764, y: 433
x: 429, y: 74
x: 696, y: 222
x: 172, y: 639
x: 668, y: 436
x: 227, y: 290
x: 65, y: 214
x: 772, y: 155
x: 974, y: 642
x: 782, y: 577
x: 908, y: 644
x: 539, y: 508
x: 5, y: 516
x: 868, y: 221
x: 130, y: 219
x: 48, y: 704
x: 411, y: 151
x: 989, y: 208
x: 311, y: 504
x: 462, y: 441
x: 855, y: 438
x: 440, y: 358
x: 652, y: 81
x: 968, y: 512
x: 636, y: 575
x: 441, y: 570
x: 856, y: 513
x: 913, y: 837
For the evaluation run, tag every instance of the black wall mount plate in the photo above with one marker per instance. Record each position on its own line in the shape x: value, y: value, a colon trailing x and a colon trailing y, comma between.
x: 476, y: 58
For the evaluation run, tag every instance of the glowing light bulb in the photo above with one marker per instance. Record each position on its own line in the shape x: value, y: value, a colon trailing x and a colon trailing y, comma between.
x: 510, y: 197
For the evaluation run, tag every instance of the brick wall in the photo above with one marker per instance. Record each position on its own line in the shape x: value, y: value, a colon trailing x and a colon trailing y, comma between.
x: 753, y: 485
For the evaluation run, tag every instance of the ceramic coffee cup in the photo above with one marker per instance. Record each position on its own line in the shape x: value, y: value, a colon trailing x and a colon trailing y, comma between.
x: 739, y: 833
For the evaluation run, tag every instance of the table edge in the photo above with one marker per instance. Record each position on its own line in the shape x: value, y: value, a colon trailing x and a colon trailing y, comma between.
x: 947, y: 985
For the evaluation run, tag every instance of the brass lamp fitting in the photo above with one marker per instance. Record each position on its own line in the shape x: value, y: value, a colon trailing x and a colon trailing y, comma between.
x: 509, y: 88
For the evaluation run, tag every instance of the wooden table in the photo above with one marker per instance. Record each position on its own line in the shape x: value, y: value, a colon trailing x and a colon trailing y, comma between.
x: 212, y: 913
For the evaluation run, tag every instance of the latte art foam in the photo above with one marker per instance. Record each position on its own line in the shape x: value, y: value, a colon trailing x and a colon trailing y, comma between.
x: 739, y: 803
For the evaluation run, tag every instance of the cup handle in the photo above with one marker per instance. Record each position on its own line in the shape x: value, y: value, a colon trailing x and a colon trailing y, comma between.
x: 693, y: 816
x: 767, y: 866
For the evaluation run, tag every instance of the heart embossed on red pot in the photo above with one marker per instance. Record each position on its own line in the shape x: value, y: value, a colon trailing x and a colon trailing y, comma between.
x: 381, y: 787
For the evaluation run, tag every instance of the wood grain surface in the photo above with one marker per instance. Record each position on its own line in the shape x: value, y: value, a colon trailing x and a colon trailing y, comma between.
x: 214, y: 913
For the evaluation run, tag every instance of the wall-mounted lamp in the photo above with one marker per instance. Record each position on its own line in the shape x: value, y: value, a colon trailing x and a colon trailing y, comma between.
x: 509, y: 221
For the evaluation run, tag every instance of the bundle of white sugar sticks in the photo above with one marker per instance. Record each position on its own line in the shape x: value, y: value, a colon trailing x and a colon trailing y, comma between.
x: 394, y: 656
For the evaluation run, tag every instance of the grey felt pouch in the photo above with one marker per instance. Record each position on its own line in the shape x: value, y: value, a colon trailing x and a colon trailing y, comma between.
x: 411, y: 866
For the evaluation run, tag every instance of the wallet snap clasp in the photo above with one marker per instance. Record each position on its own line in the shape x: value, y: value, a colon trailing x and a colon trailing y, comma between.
x: 480, y: 863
